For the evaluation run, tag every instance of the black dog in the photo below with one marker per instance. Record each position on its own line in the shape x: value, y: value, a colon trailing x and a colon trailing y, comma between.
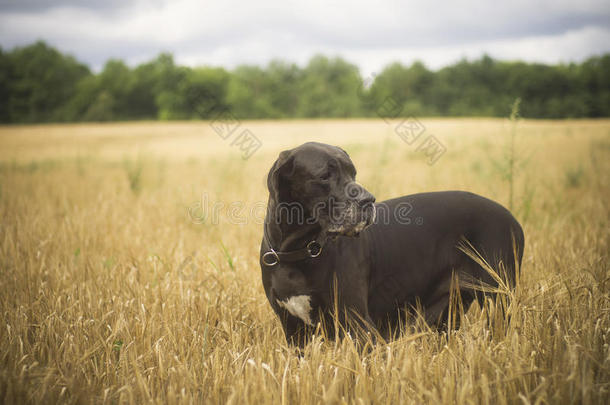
x: 328, y: 249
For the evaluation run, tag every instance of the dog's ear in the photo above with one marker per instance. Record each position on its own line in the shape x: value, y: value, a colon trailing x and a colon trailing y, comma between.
x: 280, y: 170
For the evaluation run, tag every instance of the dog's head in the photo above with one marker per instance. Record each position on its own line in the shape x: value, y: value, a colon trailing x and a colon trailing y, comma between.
x: 315, y: 182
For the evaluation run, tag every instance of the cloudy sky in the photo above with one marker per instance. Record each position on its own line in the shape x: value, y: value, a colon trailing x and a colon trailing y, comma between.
x: 370, y: 34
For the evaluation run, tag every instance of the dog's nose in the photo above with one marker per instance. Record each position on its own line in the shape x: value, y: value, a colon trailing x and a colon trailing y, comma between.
x: 359, y: 194
x: 366, y: 199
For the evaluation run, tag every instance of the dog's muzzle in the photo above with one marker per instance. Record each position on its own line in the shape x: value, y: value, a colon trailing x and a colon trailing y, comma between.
x: 353, y: 220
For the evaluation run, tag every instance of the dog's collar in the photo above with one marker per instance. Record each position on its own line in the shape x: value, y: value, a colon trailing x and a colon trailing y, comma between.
x: 273, y: 257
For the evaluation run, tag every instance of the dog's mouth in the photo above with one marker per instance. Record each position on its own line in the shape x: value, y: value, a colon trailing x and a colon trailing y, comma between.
x: 353, y: 222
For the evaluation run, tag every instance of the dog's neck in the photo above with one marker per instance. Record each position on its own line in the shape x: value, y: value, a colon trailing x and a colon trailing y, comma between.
x: 289, y: 235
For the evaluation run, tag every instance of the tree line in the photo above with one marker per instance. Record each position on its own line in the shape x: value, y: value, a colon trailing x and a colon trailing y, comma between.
x: 40, y: 84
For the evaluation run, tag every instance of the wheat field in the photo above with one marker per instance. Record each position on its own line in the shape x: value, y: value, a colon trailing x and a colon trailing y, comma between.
x: 129, y: 267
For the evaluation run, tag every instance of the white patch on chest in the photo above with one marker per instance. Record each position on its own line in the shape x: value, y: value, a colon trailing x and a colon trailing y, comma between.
x: 299, y: 306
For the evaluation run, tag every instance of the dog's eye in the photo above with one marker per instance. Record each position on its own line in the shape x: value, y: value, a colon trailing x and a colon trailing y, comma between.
x: 325, y: 176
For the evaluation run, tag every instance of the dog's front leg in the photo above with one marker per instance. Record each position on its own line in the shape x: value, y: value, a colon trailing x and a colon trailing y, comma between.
x: 361, y: 328
x: 355, y: 319
x: 296, y: 331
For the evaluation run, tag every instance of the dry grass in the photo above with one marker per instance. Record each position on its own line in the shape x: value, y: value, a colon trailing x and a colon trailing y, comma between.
x: 112, y: 294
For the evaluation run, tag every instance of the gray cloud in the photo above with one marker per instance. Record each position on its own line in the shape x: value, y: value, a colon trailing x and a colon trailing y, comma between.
x: 370, y: 34
x: 41, y: 6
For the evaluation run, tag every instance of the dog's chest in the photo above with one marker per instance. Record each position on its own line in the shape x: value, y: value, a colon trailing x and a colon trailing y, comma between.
x: 298, y: 306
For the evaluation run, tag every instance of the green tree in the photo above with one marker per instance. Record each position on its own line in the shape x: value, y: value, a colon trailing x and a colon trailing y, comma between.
x: 42, y: 81
x: 594, y: 75
x: 329, y: 88
x: 40, y: 84
x: 248, y: 93
x: 283, y: 87
x: 5, y: 73
x: 197, y: 93
x: 407, y: 87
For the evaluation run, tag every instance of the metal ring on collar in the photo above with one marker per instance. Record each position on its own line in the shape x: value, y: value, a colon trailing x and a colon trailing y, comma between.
x: 273, y: 254
x: 314, y: 248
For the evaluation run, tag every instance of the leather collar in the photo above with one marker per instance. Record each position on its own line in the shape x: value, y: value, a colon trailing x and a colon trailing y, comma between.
x: 273, y: 257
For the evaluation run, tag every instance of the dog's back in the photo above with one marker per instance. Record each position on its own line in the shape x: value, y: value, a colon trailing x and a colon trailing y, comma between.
x: 415, y: 249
